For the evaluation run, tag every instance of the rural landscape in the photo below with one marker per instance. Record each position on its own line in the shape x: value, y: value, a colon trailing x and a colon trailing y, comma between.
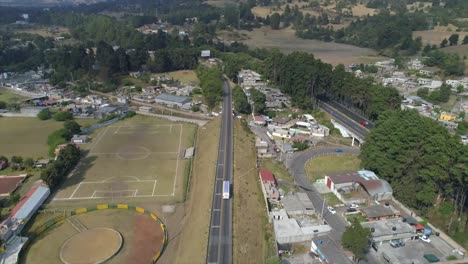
x: 234, y: 131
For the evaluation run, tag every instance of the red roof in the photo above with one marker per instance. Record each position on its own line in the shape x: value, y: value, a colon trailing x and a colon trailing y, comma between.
x: 23, y: 201
x: 267, y: 176
x: 419, y: 227
x: 259, y: 119
x: 9, y: 183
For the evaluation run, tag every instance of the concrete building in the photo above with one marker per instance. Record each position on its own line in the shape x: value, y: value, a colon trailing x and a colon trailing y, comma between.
x: 377, y: 189
x: 262, y: 146
x: 298, y: 204
x: 447, y: 116
x: 146, y: 109
x: 174, y: 100
x: 391, y: 229
x: 248, y: 79
x: 205, y: 54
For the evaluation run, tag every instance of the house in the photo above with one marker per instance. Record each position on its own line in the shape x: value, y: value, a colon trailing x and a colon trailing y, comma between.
x: 424, y: 81
x: 383, y: 231
x: 281, y: 120
x: 248, y: 78
x: 415, y: 64
x: 259, y: 120
x: 266, y: 176
x: 150, y: 89
x: 8, y: 184
x: 174, y: 100
x: 377, y: 189
x: 262, y: 146
x: 79, y: 139
x: 379, y: 212
x: 297, y: 204
x: 426, y: 72
x: 122, y: 99
x: 42, y: 163
x: 189, y: 152
x: 447, y: 116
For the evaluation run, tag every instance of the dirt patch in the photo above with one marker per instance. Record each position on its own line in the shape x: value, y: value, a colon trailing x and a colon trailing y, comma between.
x: 146, y: 239
x: 286, y: 41
x: 435, y: 37
x: 362, y: 10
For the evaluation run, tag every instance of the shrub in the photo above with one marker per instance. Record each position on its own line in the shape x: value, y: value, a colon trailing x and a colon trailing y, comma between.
x: 63, y: 116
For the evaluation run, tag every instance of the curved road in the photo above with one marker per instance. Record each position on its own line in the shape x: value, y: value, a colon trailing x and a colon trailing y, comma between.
x: 296, y: 167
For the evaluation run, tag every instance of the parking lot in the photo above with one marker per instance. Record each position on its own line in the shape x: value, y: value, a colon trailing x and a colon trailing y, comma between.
x: 414, y: 251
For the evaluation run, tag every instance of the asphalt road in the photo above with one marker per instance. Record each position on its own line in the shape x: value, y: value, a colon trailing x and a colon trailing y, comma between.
x: 350, y: 123
x: 220, y: 235
x: 296, y: 165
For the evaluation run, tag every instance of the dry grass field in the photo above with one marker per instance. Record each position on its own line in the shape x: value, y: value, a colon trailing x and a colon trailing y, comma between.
x: 27, y: 136
x: 251, y: 230
x: 184, y: 76
x: 141, y: 157
x: 45, y: 31
x: 193, y: 238
x: 362, y: 10
x: 439, y: 33
x: 142, y: 237
x: 329, y: 52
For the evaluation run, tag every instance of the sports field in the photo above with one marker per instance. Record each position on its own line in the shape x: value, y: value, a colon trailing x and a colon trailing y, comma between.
x: 141, y: 157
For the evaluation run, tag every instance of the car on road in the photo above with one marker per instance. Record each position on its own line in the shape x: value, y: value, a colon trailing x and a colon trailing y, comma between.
x: 338, y: 150
x: 354, y: 206
x: 426, y: 239
x: 331, y: 210
x: 364, y: 123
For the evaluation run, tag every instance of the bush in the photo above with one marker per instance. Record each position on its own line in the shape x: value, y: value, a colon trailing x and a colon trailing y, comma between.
x: 63, y: 116
x: 195, y: 108
x: 43, y: 115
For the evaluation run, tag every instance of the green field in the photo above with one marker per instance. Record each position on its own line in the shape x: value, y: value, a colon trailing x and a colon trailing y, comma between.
x: 141, y: 157
x: 319, y: 167
x: 27, y: 136
x: 7, y: 96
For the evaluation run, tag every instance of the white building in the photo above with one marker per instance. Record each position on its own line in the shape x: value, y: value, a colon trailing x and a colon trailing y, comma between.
x: 248, y: 78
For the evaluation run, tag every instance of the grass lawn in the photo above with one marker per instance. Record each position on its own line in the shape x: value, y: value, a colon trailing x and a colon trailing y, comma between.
x: 317, y: 168
x: 27, y: 136
x: 450, y: 104
x: 7, y: 96
x: 359, y: 217
x: 184, y: 76
x: 331, y: 199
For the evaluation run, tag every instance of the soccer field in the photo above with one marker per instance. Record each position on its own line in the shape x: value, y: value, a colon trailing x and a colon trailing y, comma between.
x: 132, y: 159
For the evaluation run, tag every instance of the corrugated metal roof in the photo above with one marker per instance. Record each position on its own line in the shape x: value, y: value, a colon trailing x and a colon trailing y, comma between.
x: 173, y: 98
x: 33, y: 201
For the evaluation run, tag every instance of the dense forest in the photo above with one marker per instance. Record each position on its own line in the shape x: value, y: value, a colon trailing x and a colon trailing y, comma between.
x: 305, y: 79
x: 423, y: 162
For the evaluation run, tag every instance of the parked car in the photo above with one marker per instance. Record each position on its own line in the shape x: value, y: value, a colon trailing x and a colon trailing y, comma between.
x: 351, y: 210
x: 397, y: 243
x: 353, y: 205
x: 331, y: 210
x: 338, y: 150
x: 425, y: 239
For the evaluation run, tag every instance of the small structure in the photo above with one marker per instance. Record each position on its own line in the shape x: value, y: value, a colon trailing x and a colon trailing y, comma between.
x: 189, y: 153
x: 174, y: 100
x: 79, y: 139
x: 270, y: 193
x: 266, y: 176
x: 108, y: 110
x: 205, y: 54
x: 447, y: 116
x: 42, y: 163
x: 122, y: 100
x: 8, y: 184
x: 146, y: 109
x: 379, y: 212
x: 262, y: 147
x: 248, y: 78
x: 259, y: 120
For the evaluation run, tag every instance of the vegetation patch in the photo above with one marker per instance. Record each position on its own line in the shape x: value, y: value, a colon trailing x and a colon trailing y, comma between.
x: 319, y: 167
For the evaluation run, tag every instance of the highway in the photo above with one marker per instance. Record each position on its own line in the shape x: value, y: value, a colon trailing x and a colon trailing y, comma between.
x: 351, y: 122
x: 220, y: 233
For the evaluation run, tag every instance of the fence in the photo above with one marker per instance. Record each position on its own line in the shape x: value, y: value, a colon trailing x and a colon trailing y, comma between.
x: 94, y: 127
x: 52, y: 222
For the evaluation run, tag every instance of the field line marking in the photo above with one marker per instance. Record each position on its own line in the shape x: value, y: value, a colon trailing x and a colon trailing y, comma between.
x: 97, y: 141
x: 103, y: 182
x: 177, y: 160
x: 117, y: 130
x: 116, y: 153
x: 126, y: 196
x: 154, y: 187
x: 76, y: 189
x: 94, y: 193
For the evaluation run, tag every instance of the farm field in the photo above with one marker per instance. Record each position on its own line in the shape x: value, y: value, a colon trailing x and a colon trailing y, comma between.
x: 318, y: 167
x: 141, y: 157
x: 27, y: 136
x: 142, y: 236
x: 286, y: 41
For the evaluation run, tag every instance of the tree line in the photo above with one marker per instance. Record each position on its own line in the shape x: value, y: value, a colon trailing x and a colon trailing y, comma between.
x: 211, y: 83
x: 57, y: 170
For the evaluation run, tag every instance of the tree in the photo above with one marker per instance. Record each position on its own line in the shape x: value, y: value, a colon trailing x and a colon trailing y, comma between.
x: 355, y: 238
x: 453, y: 39
x: 273, y: 260
x: 44, y: 114
x: 443, y: 44
x: 72, y: 126
x: 28, y: 163
x: 16, y: 159
x: 241, y: 103
x: 259, y: 100
x: 63, y: 116
x: 423, y: 92
x: 465, y: 40
x: 275, y: 20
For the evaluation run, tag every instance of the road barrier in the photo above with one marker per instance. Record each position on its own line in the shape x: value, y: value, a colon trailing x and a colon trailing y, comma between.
x: 52, y: 222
